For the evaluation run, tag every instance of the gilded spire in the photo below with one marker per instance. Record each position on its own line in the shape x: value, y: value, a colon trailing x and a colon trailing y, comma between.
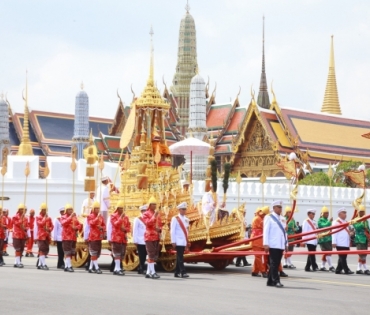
x: 25, y: 148
x: 151, y: 97
x: 151, y: 70
x: 263, y: 95
x: 331, y: 100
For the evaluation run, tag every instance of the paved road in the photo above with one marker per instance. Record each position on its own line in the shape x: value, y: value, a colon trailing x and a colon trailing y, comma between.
x: 207, y: 291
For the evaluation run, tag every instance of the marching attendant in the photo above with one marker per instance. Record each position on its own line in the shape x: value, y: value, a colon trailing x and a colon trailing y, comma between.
x: 20, y: 236
x: 138, y: 236
x: 274, y: 242
x: 257, y: 245
x: 120, y: 226
x: 102, y: 195
x: 310, y: 225
x: 9, y: 225
x: 3, y: 228
x: 44, y: 228
x: 290, y: 231
x: 361, y: 239
x: 71, y: 226
x: 341, y: 241
x: 325, y: 241
x: 96, y: 235
x: 179, y: 239
x: 31, y: 224
x: 87, y: 204
x: 57, y: 237
x: 152, y: 234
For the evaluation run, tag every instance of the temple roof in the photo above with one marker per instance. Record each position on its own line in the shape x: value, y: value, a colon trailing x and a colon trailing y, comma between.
x: 50, y: 133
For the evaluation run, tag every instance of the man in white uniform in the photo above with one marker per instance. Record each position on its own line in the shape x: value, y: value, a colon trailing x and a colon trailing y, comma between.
x: 57, y: 237
x: 87, y: 204
x: 275, y: 242
x: 310, y: 225
x: 102, y: 196
x: 179, y: 239
x: 341, y: 241
x: 209, y: 206
x: 138, y: 237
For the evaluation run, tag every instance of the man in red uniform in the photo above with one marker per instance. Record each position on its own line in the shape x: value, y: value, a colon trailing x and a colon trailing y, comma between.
x: 71, y: 227
x: 152, y: 235
x: 257, y: 245
x: 44, y: 228
x: 20, y: 229
x: 97, y: 233
x: 120, y: 226
x: 31, y: 224
x: 9, y: 225
x: 3, y: 229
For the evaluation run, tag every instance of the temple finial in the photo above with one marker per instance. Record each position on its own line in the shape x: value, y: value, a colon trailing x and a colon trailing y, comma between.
x: 263, y: 99
x: 82, y: 85
x: 25, y: 147
x: 331, y: 100
x: 187, y: 7
x: 151, y: 71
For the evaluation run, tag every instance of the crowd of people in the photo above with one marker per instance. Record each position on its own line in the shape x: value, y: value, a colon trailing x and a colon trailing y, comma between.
x: 64, y: 230
x: 276, y: 229
x: 270, y: 228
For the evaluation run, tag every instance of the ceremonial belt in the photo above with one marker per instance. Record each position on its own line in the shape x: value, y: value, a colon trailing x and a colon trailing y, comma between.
x: 280, y: 226
x: 340, y: 222
x: 141, y: 219
x: 182, y: 226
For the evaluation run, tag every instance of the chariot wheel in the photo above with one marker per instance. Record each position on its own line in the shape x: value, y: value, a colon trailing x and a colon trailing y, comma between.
x: 82, y: 253
x: 168, y: 262
x: 131, y: 260
x: 219, y: 264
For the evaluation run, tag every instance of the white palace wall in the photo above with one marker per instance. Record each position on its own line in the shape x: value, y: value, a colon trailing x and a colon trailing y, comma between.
x: 60, y: 189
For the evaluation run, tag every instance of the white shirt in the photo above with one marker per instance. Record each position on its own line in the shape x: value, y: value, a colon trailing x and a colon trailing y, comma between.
x: 138, y: 232
x: 273, y: 236
x: 87, y: 206
x: 306, y: 227
x: 104, y: 200
x: 177, y: 234
x: 109, y: 230
x: 86, y: 230
x: 341, y: 238
x: 57, y: 232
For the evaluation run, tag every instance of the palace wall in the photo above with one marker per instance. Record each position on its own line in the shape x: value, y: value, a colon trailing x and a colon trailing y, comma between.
x: 60, y: 189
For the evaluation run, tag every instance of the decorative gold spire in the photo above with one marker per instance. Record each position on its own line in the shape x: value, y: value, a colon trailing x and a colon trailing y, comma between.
x: 331, y: 101
x: 25, y: 148
x: 151, y: 97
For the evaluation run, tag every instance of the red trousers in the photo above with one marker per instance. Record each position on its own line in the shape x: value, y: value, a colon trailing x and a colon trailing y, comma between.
x: 258, y: 266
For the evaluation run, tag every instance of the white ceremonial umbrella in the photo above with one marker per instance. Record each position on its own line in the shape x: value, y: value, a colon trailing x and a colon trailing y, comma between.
x: 190, y: 145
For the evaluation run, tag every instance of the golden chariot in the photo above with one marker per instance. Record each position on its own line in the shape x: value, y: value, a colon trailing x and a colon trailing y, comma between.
x: 147, y: 172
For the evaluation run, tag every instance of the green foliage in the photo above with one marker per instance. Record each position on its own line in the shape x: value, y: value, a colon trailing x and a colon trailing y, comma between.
x: 315, y: 179
x: 214, y: 174
x: 225, y: 184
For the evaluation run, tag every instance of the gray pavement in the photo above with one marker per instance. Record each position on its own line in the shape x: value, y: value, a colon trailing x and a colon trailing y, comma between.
x: 207, y: 291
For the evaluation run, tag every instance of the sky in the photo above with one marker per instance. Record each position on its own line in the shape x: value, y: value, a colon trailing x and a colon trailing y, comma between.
x: 106, y: 45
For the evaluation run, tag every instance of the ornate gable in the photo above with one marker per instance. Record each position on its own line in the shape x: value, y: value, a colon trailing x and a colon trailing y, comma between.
x: 255, y: 150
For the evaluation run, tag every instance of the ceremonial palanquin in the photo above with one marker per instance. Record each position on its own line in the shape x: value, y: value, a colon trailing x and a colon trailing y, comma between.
x: 147, y: 172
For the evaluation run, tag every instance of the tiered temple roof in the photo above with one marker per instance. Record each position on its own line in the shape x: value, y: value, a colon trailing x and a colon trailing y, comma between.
x: 50, y: 133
